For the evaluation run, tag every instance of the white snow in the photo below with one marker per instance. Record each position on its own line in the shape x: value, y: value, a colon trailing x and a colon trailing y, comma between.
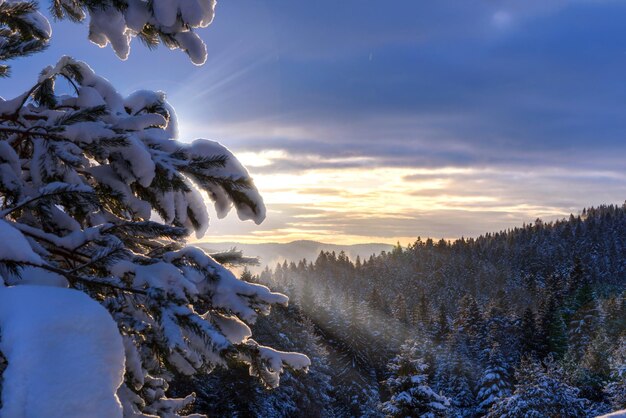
x: 65, y: 354
x: 274, y: 360
x: 165, y: 11
x: 37, y: 276
x: 133, y: 363
x: 40, y: 22
x: 616, y: 414
x: 233, y: 328
x: 19, y: 249
x: 234, y: 170
x: 193, y: 46
x: 173, y: 17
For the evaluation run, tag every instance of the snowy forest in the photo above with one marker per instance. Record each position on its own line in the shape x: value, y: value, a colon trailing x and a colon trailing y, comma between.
x: 107, y: 311
x: 525, y: 322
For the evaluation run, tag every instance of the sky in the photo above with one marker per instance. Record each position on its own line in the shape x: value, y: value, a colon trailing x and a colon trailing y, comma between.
x: 364, y: 121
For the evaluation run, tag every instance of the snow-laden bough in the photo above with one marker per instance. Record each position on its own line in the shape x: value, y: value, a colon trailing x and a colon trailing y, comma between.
x: 98, y: 195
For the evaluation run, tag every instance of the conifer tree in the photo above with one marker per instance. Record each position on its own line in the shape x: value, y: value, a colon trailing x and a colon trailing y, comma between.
x: 469, y: 318
x: 615, y: 318
x: 616, y: 388
x: 441, y: 326
x: 469, y: 326
x: 422, y: 310
x: 453, y: 376
x: 540, y: 392
x: 552, y: 328
x: 411, y: 395
x: 354, y: 341
x: 230, y: 392
x: 459, y: 384
x: 529, y: 334
x: 375, y: 300
x: 307, y: 299
x: 495, y: 381
x: 400, y: 309
x: 80, y: 177
x: 594, y: 368
x: 583, y: 313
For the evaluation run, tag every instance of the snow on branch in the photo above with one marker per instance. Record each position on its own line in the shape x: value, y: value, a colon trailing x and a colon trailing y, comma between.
x: 81, y: 179
x: 267, y: 363
x: 171, y: 22
x: 23, y: 31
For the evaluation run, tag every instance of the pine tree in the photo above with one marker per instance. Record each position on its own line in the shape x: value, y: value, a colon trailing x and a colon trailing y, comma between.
x: 552, y: 327
x: 616, y: 387
x: 583, y: 312
x: 470, y: 327
x: 375, y: 301
x: 453, y: 375
x: 460, y: 384
x: 539, y: 393
x: 577, y: 277
x: 354, y: 340
x: 557, y: 335
x: 441, y: 328
x: 422, y: 310
x: 80, y: 177
x: 495, y: 381
x: 528, y: 333
x: 411, y: 395
x: 469, y: 318
x: 307, y: 299
x: 615, y: 321
x: 354, y: 369
x: 594, y: 368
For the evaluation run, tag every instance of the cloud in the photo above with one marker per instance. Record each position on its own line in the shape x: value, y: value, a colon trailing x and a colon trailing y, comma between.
x: 361, y: 120
x: 387, y: 204
x: 470, y: 117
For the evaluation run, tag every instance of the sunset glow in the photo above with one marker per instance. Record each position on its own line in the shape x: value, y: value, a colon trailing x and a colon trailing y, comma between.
x: 362, y: 204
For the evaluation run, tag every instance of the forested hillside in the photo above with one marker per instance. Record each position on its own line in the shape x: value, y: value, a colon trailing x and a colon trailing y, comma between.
x: 532, y: 318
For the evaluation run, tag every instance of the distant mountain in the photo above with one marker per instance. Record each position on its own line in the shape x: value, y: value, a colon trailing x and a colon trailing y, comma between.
x: 271, y: 253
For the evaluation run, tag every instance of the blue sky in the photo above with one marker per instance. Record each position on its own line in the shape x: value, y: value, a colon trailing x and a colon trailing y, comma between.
x: 370, y: 121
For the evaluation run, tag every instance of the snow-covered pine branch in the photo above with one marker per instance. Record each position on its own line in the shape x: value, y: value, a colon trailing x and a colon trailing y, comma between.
x: 23, y: 31
x: 171, y: 22
x: 81, y: 178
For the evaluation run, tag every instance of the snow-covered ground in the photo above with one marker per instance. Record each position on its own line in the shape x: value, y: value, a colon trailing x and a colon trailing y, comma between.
x: 65, y: 354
